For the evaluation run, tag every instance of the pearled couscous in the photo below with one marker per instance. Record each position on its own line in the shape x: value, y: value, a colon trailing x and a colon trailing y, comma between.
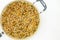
x: 20, y: 19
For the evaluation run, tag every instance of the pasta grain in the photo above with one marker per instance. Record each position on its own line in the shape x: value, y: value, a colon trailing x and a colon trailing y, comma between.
x: 20, y: 19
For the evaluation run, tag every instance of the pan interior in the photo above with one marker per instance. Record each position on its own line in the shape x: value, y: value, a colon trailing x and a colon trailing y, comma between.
x: 20, y: 19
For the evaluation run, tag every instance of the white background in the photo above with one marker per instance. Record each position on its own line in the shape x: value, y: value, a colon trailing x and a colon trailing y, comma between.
x: 49, y: 28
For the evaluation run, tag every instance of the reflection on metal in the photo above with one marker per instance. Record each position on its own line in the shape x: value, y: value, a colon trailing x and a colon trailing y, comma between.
x: 0, y: 35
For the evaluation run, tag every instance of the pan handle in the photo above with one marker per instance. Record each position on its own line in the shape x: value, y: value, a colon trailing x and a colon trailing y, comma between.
x: 43, y: 4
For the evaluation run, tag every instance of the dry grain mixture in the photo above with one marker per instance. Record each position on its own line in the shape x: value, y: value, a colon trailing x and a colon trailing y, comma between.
x: 20, y: 19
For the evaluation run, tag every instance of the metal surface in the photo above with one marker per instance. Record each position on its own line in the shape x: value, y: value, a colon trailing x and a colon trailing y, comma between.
x: 43, y: 4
